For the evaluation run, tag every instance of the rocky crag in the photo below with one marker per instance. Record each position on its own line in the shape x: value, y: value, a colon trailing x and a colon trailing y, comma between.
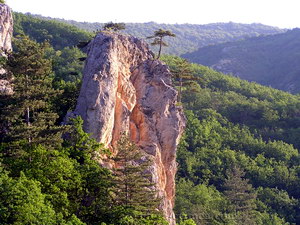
x: 125, y: 90
x: 6, y: 32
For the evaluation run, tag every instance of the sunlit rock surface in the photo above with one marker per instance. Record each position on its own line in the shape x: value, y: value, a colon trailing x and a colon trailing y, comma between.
x: 125, y: 90
x: 6, y: 32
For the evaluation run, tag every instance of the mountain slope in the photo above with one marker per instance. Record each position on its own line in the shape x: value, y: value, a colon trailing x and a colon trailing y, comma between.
x: 236, y: 123
x: 189, y: 37
x: 270, y: 60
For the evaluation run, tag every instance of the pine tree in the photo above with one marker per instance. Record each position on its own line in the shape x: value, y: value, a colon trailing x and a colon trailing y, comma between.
x: 158, y: 39
x: 27, y: 111
x: 133, y: 188
x: 240, y: 195
x: 183, y: 75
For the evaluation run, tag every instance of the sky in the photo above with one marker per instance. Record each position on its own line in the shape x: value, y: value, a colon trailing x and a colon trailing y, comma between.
x: 279, y: 13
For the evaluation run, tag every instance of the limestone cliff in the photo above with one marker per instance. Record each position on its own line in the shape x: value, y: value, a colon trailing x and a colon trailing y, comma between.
x: 125, y: 90
x: 6, y: 32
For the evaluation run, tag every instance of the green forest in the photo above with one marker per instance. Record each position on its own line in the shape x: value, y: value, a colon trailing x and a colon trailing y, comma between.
x: 241, y: 137
x: 238, y: 161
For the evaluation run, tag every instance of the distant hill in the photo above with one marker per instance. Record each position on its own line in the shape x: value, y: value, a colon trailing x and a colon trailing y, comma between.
x: 270, y: 60
x: 59, y: 34
x: 189, y: 37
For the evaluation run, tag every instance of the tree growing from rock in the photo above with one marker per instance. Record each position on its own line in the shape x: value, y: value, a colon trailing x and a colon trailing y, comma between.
x: 114, y: 26
x: 158, y: 39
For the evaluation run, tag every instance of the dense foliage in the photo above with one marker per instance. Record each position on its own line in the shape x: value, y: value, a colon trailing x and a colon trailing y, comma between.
x: 32, y: 82
x: 234, y: 123
x: 66, y: 59
x: 114, y: 26
x: 189, y: 37
x: 269, y: 60
x: 58, y: 34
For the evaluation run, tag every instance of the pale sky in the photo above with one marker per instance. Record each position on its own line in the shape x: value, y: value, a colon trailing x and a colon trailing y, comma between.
x: 280, y: 13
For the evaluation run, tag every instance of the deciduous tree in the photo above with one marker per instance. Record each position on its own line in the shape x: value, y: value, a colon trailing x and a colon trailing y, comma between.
x: 22, y: 202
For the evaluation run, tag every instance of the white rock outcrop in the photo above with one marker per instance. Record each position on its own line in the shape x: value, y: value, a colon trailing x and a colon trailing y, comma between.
x: 6, y: 27
x: 125, y: 90
x: 6, y: 32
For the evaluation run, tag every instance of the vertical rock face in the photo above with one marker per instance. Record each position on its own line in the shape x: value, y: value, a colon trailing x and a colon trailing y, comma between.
x: 125, y: 90
x: 6, y: 27
x: 6, y: 32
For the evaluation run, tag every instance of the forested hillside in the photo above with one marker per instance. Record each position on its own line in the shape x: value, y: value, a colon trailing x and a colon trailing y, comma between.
x: 241, y: 137
x: 189, y: 36
x: 60, y: 35
x: 238, y: 161
x: 270, y: 60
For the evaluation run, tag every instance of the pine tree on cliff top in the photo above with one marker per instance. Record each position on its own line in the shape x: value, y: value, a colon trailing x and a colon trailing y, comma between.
x: 133, y: 188
x: 158, y: 39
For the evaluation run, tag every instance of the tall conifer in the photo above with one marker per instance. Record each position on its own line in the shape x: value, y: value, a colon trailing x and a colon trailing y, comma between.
x: 28, y: 111
x: 241, y: 196
x: 182, y: 75
x: 133, y: 188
